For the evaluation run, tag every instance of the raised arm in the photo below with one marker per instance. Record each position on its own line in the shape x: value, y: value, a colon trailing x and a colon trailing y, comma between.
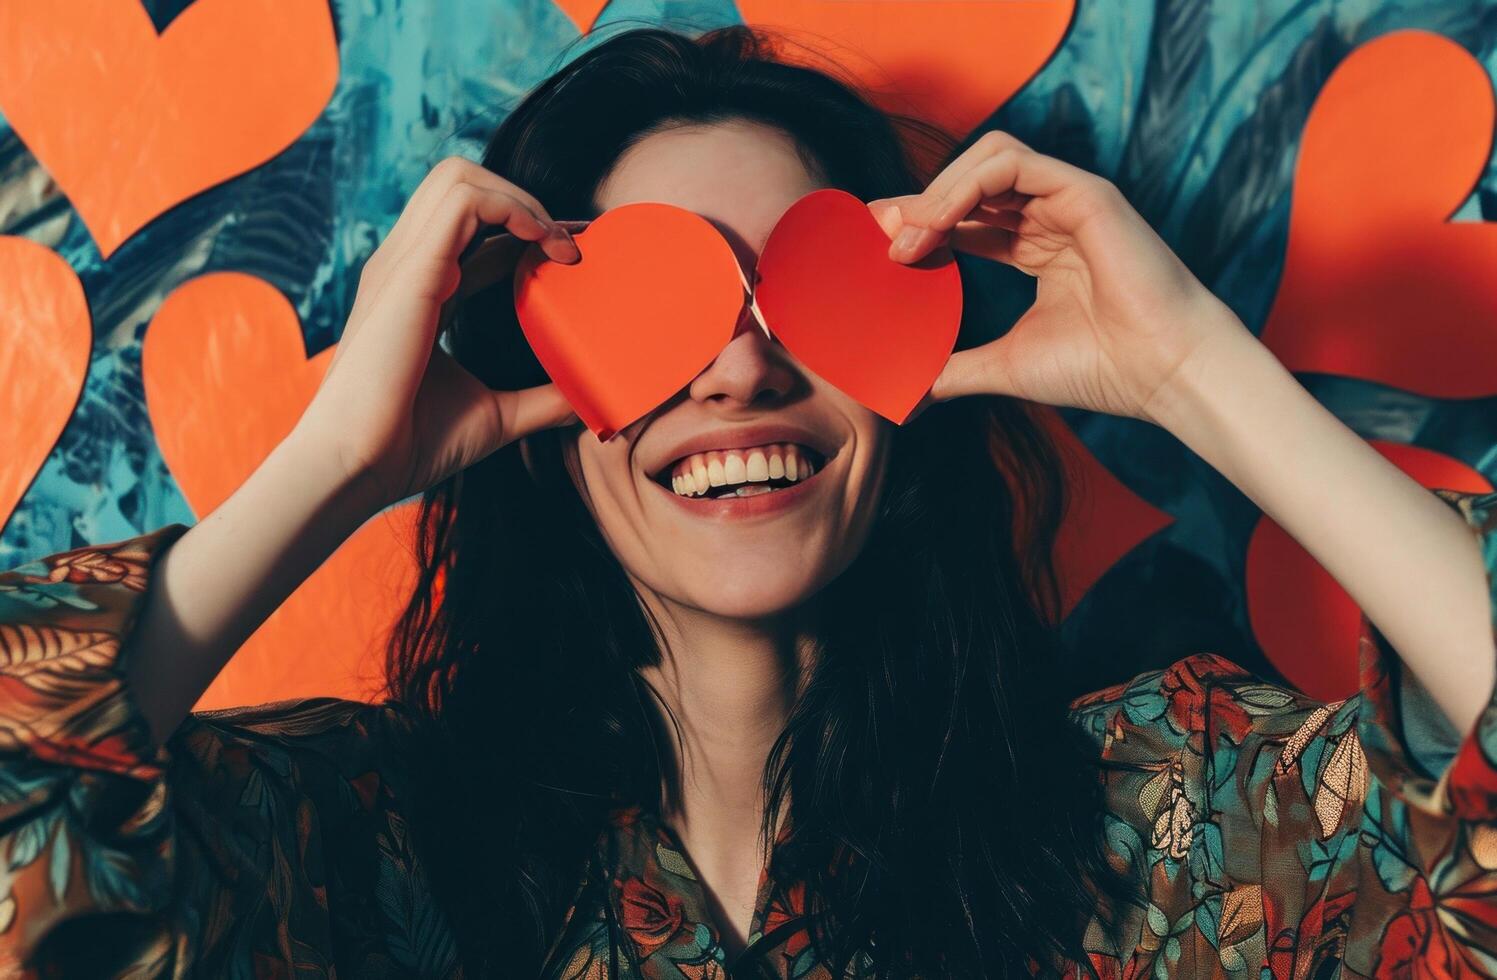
x: 1120, y: 325
x: 121, y: 858
x: 394, y: 415
x: 1409, y: 560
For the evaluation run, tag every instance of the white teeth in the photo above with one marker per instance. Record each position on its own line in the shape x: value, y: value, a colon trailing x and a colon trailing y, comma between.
x: 696, y: 474
x: 734, y: 470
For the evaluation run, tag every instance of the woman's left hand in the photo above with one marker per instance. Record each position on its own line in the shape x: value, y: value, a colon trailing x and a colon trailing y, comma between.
x: 1116, y: 315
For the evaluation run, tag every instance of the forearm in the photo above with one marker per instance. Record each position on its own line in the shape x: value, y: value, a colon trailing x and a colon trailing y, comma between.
x: 222, y: 578
x: 1404, y: 556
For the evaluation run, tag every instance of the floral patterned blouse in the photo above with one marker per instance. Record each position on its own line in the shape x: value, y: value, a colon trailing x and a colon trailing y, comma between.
x: 1270, y: 835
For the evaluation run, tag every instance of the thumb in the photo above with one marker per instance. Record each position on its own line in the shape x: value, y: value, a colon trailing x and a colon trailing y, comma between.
x: 980, y: 370
x: 532, y: 409
x: 886, y: 212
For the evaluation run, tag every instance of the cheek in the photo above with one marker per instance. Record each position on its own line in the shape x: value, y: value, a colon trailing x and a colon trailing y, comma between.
x: 606, y: 482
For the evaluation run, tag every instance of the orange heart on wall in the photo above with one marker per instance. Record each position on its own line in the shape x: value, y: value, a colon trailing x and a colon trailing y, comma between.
x: 582, y: 12
x: 45, y: 341
x: 1378, y: 283
x: 226, y: 379
x: 954, y: 62
x: 130, y: 123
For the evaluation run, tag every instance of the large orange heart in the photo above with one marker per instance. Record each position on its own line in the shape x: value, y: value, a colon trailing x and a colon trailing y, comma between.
x: 130, y: 123
x: 659, y: 293
x: 45, y: 340
x: 950, y: 61
x: 1379, y: 284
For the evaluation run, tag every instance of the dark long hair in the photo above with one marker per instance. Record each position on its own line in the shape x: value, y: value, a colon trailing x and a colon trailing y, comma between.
x: 939, y: 800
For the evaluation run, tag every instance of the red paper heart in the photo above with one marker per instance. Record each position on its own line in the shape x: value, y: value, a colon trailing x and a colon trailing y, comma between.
x: 659, y: 292
x: 878, y: 329
x: 655, y: 297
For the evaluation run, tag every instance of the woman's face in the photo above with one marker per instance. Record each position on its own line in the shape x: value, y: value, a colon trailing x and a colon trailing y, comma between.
x: 706, y: 501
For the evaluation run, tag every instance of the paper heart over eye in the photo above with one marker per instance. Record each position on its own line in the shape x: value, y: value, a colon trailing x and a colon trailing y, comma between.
x: 655, y: 296
x: 659, y: 292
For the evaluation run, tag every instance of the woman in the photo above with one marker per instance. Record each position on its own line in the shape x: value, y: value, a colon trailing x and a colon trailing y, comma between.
x: 636, y: 732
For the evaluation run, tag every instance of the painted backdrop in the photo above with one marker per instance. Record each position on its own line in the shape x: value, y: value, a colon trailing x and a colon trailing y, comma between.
x: 188, y: 191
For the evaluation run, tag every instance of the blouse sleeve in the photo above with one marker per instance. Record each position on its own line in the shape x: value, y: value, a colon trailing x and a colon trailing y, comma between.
x: 1269, y: 834
x: 209, y: 855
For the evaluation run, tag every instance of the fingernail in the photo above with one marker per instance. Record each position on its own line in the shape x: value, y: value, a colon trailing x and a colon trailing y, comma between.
x: 563, y: 236
x: 907, y: 238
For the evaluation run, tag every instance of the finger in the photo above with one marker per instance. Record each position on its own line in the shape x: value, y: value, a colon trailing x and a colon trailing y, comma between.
x: 426, y: 242
x: 431, y: 258
x: 885, y: 211
x: 435, y: 185
x: 531, y: 410
x: 1007, y: 201
x: 986, y: 146
x: 1004, y: 211
x: 1008, y: 172
x: 1007, y: 220
x: 403, y: 322
x: 496, y: 257
x: 919, y: 209
x: 976, y: 371
x: 985, y: 241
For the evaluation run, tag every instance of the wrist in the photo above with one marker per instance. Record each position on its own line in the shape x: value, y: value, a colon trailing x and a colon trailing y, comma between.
x: 1236, y: 406
x: 342, y: 492
x: 1230, y: 365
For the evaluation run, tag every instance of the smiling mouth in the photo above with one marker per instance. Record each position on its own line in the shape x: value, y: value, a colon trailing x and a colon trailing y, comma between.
x: 741, y: 472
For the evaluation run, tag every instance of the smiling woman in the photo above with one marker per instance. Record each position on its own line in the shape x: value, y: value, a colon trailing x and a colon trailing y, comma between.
x: 763, y: 684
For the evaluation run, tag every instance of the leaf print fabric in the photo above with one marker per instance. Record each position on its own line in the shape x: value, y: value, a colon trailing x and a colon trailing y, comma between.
x: 1269, y: 835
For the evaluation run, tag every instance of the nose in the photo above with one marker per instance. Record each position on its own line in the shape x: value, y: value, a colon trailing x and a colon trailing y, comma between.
x: 749, y: 372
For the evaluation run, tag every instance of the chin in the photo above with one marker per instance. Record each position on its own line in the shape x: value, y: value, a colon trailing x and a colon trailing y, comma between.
x: 745, y: 595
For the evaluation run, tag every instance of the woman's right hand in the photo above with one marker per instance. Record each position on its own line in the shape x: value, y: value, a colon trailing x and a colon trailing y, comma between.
x: 395, y: 411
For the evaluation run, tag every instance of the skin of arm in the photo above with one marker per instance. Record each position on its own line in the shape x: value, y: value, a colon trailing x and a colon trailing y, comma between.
x: 215, y: 585
x: 1407, y: 558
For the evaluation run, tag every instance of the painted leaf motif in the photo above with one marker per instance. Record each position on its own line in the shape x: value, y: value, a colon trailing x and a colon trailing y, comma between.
x: 24, y: 648
x: 1300, y: 740
x: 1343, y: 783
x: 1242, y: 914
